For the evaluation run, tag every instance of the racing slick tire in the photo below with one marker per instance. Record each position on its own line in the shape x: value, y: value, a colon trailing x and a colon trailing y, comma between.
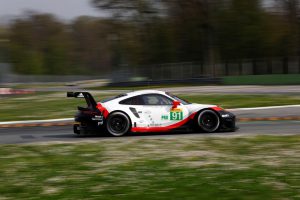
x: 118, y: 124
x: 208, y: 121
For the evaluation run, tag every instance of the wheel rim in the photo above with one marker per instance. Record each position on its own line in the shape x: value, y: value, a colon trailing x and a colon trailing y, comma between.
x: 118, y: 125
x: 209, y: 121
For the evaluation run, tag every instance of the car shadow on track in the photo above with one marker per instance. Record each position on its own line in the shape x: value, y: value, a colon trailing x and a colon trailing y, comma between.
x: 130, y: 135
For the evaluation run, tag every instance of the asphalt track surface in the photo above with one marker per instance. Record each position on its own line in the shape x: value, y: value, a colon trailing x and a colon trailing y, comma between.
x: 65, y: 134
x: 274, y: 111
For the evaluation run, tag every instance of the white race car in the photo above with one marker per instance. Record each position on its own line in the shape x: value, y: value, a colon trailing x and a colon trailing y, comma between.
x: 148, y: 111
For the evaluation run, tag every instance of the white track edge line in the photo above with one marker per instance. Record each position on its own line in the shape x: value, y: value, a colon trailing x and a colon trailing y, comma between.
x: 36, y: 121
x: 264, y: 108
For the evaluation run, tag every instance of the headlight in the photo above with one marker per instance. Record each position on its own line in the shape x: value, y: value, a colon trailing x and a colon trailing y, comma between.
x: 225, y: 116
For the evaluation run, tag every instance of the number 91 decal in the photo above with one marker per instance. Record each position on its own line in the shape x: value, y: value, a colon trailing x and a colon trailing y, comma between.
x: 176, y: 115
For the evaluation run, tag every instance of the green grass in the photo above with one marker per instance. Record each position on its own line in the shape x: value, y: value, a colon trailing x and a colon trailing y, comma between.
x: 55, y: 105
x: 42, y: 105
x: 261, y: 167
x: 275, y: 79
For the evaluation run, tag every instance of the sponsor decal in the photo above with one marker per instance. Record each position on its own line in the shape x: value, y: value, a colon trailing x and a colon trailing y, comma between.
x: 100, y: 123
x: 97, y: 118
x: 155, y: 125
x: 164, y: 117
x: 165, y: 128
x: 80, y: 95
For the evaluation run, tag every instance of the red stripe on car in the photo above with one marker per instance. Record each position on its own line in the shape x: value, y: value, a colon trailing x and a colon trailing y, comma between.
x: 216, y: 108
x: 103, y: 110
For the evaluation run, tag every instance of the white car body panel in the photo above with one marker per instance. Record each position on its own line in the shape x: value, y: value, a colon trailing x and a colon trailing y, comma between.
x: 153, y: 115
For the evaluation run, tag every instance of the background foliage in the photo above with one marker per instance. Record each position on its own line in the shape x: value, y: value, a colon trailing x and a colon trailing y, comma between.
x: 144, y: 32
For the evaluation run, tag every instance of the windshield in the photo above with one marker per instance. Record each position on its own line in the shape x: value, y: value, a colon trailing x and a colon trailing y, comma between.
x: 183, y: 101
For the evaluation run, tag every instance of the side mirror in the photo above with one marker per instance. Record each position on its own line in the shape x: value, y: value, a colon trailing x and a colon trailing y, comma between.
x: 175, y: 104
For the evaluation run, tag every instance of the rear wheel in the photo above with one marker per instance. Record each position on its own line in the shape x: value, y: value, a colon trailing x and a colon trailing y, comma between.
x: 208, y: 121
x: 118, y: 124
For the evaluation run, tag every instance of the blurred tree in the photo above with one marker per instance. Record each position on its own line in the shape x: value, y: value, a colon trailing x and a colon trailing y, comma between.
x: 291, y: 12
x: 91, y: 48
x: 242, y: 30
x: 131, y: 9
x: 39, y: 44
x: 146, y: 32
x: 4, y: 44
x: 23, y: 54
x: 169, y: 30
x: 140, y: 18
x: 194, y: 25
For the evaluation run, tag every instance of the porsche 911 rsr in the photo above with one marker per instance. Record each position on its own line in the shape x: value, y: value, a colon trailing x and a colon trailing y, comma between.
x: 148, y: 111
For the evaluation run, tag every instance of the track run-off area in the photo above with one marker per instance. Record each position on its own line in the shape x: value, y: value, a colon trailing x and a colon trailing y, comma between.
x: 64, y: 133
x: 277, y: 120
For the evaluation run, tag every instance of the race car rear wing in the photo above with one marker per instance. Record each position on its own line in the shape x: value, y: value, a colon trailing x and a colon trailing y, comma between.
x: 88, y: 98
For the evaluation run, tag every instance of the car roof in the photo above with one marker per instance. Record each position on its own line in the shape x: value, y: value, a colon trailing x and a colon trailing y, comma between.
x: 132, y: 94
x: 141, y: 92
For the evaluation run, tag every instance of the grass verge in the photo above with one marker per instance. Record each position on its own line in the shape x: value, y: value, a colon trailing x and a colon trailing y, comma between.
x: 274, y: 79
x: 260, y: 167
x: 56, y: 105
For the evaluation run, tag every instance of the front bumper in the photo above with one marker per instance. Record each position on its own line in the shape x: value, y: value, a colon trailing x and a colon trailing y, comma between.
x: 228, y: 121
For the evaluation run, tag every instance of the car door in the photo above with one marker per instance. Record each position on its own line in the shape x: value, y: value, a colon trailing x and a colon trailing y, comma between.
x: 158, y: 111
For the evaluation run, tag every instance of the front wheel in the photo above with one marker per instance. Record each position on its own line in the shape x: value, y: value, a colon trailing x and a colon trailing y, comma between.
x: 208, y: 121
x: 118, y: 124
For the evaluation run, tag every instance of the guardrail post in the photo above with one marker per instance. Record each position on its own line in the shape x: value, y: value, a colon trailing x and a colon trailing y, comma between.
x: 226, y: 68
x: 285, y: 65
x: 254, y: 67
x: 240, y: 68
x: 270, y: 67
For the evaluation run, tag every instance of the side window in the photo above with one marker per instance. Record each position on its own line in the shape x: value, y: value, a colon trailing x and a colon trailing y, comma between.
x: 156, y: 99
x: 133, y: 101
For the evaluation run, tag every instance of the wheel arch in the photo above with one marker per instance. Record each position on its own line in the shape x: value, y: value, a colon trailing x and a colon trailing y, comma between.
x: 121, y: 111
x: 118, y: 133
x: 195, y: 119
x: 203, y: 109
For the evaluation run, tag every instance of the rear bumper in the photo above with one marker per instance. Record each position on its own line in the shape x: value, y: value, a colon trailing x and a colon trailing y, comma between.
x: 86, y: 129
x: 87, y: 123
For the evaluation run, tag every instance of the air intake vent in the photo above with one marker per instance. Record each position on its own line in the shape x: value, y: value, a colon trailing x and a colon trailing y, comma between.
x: 133, y: 110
